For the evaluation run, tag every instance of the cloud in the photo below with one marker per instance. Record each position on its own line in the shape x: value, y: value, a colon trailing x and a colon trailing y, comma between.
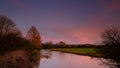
x: 75, y: 34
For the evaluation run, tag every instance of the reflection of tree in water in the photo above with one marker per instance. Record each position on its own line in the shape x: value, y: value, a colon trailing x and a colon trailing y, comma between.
x: 112, y: 57
x: 112, y: 63
x: 35, y: 59
x: 46, y: 54
x: 19, y: 59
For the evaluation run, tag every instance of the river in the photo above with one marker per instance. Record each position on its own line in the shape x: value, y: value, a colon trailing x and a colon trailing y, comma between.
x: 55, y: 59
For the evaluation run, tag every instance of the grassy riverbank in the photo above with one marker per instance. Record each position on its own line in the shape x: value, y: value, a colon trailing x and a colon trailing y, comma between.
x: 79, y: 51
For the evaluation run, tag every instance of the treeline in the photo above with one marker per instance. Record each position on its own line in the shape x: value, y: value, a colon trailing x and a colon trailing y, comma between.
x: 13, y: 42
x: 62, y: 44
x: 11, y: 38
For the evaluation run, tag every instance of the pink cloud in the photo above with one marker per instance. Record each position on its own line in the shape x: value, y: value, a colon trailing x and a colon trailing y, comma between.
x: 78, y: 35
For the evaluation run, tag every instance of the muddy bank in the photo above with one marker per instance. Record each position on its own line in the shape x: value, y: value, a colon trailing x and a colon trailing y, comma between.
x: 15, y: 59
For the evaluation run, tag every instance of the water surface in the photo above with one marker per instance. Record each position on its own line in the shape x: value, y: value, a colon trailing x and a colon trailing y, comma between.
x: 55, y: 59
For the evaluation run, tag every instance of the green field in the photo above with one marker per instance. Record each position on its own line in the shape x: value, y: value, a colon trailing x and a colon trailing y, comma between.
x: 80, y: 51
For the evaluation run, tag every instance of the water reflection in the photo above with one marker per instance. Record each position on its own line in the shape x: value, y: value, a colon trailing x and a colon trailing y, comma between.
x: 66, y: 60
x: 53, y: 59
x: 111, y: 63
x: 35, y: 59
x: 46, y: 54
x: 20, y: 59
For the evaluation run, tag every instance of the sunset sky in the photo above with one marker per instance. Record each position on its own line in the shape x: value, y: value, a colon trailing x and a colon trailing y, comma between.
x: 71, y: 21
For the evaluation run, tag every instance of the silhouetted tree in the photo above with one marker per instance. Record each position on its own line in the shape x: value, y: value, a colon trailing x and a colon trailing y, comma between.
x: 50, y: 44
x: 111, y: 40
x: 61, y: 43
x: 7, y: 26
x: 34, y: 36
x: 47, y: 45
x: 111, y: 37
x: 11, y: 38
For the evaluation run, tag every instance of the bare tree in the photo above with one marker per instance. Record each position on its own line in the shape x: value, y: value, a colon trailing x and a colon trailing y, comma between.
x: 111, y: 36
x: 34, y: 37
x: 111, y: 40
x: 6, y: 26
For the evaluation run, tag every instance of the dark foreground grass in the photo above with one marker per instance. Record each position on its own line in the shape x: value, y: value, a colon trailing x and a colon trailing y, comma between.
x: 80, y: 51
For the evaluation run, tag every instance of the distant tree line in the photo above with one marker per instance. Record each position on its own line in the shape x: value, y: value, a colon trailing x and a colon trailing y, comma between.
x: 61, y: 44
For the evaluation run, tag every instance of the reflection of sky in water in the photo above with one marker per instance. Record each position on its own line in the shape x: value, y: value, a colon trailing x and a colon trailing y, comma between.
x: 65, y: 60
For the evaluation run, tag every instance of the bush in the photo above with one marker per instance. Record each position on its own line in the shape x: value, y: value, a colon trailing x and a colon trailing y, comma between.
x: 12, y: 42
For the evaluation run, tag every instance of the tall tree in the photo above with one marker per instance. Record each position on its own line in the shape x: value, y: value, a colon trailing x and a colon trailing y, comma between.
x: 111, y: 36
x: 111, y: 40
x: 34, y: 36
x: 7, y: 26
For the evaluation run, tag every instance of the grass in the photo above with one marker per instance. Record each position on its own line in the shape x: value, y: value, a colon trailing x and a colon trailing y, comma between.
x: 79, y: 51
